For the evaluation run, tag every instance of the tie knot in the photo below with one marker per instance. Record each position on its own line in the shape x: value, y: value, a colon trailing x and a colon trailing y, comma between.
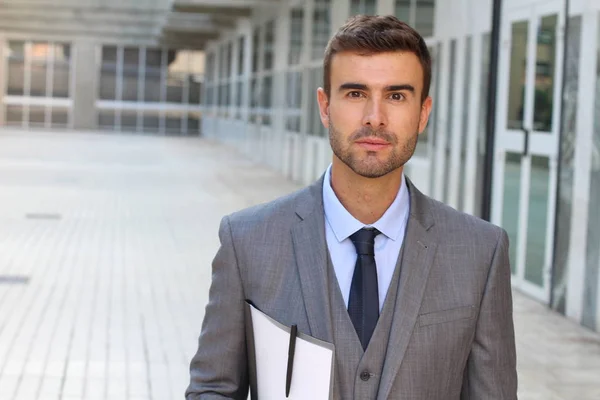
x: 364, y: 241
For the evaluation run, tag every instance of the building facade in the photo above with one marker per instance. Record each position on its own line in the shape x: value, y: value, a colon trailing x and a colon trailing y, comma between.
x: 259, y: 95
x: 133, y: 65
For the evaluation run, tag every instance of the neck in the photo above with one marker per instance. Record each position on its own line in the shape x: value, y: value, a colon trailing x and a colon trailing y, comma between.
x: 366, y: 199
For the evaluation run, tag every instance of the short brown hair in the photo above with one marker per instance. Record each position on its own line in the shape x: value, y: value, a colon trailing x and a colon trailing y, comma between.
x: 368, y: 35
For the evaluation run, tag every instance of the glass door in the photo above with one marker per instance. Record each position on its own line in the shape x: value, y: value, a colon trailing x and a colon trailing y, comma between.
x: 527, y: 133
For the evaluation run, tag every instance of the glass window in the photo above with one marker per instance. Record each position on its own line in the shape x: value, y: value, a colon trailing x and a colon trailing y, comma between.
x: 108, y: 73
x: 267, y: 99
x: 293, y: 91
x: 403, y: 11
x: 420, y: 14
x: 296, y: 35
x: 241, y: 53
x: 194, y: 78
x: 14, y: 115
x: 424, y: 17
x: 59, y: 117
x: 62, y: 70
x: 269, y: 46
x: 153, y: 75
x: 314, y: 119
x: 131, y: 67
x: 39, y: 54
x: 321, y: 26
x: 228, y: 60
x: 518, y: 68
x: 16, y: 70
x: 256, y: 49
x: 544, y: 76
x: 176, y: 70
x: 366, y: 7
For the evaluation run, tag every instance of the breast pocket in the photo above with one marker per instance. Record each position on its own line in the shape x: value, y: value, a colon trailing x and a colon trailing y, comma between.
x: 444, y: 316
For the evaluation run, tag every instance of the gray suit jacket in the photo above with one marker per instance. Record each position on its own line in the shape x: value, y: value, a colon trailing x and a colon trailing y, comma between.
x: 452, y: 334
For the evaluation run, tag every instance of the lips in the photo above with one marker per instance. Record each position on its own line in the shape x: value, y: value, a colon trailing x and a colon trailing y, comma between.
x: 372, y: 144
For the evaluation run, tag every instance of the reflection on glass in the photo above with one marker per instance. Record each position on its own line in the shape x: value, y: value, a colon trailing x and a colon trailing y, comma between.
x: 510, y: 204
x: 424, y: 18
x: 321, y: 26
x: 544, y: 75
x: 152, y: 79
x: 518, y: 66
x: 62, y: 70
x: 537, y: 219
x: 16, y: 68
x: 131, y: 62
x: 39, y: 65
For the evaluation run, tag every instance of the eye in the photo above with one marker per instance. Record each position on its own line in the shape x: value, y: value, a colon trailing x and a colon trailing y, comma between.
x: 397, y: 96
x: 355, y: 94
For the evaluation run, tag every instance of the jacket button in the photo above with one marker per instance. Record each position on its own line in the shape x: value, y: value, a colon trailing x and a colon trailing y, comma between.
x: 365, y: 375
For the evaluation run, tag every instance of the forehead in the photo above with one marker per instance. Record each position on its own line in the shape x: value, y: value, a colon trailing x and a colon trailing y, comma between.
x: 399, y: 67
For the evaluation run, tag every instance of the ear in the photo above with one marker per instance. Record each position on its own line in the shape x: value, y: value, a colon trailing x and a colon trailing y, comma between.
x: 323, y: 101
x: 425, y: 112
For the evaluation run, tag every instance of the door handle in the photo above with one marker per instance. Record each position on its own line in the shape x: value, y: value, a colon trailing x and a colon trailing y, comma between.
x: 526, y: 145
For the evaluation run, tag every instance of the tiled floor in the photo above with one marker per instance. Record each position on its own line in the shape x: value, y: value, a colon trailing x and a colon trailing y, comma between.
x: 108, y: 241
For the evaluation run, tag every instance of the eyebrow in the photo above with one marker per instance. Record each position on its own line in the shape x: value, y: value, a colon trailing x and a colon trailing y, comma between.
x: 391, y: 88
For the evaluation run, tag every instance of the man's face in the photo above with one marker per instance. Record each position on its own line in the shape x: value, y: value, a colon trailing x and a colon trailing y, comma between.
x: 374, y: 112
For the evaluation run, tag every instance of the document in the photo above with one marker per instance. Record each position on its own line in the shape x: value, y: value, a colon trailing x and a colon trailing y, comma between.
x: 302, y: 363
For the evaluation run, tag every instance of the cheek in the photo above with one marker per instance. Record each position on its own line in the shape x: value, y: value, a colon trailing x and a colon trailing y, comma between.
x: 347, y: 117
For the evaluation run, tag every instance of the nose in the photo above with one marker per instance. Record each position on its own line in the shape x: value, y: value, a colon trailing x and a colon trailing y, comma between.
x: 374, y: 114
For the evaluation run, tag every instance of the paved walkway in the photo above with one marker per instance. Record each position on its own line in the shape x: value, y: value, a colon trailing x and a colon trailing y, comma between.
x: 105, y: 250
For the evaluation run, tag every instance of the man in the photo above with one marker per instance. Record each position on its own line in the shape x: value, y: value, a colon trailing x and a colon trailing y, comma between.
x: 414, y: 295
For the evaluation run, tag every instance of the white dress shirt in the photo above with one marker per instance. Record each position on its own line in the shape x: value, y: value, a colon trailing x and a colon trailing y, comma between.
x: 340, y: 225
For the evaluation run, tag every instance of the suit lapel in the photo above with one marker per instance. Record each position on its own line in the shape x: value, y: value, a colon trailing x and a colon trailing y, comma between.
x: 310, y: 249
x: 418, y: 254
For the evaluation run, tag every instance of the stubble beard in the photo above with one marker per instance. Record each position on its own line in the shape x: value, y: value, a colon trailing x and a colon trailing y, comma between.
x: 370, y: 166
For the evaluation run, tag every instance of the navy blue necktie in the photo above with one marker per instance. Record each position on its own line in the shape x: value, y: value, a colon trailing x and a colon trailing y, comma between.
x: 363, y: 304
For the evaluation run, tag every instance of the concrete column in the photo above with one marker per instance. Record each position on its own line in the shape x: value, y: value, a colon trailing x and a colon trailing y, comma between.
x: 85, y: 88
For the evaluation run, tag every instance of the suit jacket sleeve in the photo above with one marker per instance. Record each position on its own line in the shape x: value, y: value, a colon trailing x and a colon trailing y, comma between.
x: 219, y: 368
x: 490, y: 371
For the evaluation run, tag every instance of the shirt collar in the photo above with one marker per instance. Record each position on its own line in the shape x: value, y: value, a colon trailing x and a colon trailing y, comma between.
x: 344, y: 224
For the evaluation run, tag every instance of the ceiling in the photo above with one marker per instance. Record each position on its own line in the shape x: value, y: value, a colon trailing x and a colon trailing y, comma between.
x: 174, y: 23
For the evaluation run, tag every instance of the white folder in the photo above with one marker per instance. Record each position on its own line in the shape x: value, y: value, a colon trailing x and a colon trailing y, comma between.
x: 268, y: 345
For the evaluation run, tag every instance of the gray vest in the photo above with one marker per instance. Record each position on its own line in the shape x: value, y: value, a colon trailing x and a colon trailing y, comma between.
x: 359, y: 376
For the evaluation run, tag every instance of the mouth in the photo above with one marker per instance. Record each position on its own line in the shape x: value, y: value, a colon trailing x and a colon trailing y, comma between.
x: 372, y: 144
